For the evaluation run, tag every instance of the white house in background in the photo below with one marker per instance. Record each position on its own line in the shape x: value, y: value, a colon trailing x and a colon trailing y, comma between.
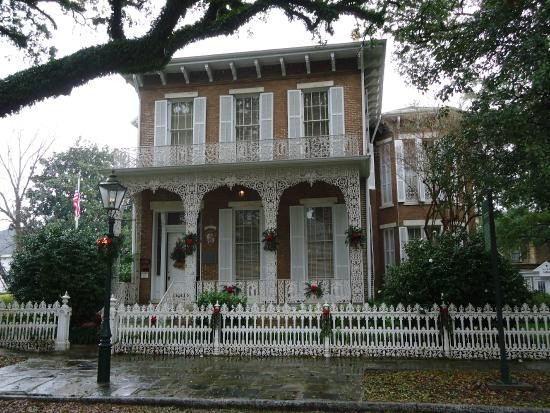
x: 539, y: 278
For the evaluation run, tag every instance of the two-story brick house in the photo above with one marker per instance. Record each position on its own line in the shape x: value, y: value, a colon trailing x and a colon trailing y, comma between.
x: 232, y: 145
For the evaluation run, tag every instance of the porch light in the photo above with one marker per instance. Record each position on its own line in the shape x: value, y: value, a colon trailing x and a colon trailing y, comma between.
x: 241, y: 194
x: 112, y: 192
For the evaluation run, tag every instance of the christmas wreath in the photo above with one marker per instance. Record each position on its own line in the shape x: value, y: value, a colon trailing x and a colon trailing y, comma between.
x: 108, y: 247
x: 231, y: 289
x: 326, y: 322
x: 184, y: 246
x: 270, y: 240
x: 312, y: 288
x: 355, y: 236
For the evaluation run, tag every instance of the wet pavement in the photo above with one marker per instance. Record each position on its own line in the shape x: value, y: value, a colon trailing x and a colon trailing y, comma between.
x: 73, y: 374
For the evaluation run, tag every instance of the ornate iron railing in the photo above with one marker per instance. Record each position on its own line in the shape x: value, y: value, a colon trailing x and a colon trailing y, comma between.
x: 336, y: 146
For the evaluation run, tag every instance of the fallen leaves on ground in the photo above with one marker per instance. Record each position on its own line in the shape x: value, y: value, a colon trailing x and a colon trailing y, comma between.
x: 459, y: 386
x: 34, y: 406
x: 7, y: 360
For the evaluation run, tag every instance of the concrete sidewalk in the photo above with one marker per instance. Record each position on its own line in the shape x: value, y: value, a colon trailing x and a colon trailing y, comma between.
x: 73, y: 374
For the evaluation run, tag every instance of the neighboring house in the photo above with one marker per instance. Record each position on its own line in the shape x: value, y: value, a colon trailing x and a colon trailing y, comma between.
x: 399, y: 198
x: 6, y: 250
x: 236, y: 144
x: 534, y: 266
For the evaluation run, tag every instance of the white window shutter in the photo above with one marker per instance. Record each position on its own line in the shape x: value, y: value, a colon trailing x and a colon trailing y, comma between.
x: 336, y: 111
x: 199, y: 129
x: 297, y: 250
x: 341, y: 250
x: 295, y: 114
x: 266, y: 126
x: 403, y: 239
x: 227, y: 130
x: 371, y: 181
x: 199, y: 120
x: 161, y: 123
x: 263, y: 260
x: 225, y: 246
x: 399, y: 170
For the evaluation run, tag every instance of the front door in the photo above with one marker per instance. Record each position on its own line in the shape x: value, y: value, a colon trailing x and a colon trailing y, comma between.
x: 173, y: 274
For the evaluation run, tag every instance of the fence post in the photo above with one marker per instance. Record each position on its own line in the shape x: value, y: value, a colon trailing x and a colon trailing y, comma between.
x: 326, y: 318
x: 113, y: 320
x: 445, y: 323
x: 217, y: 320
x: 63, y: 322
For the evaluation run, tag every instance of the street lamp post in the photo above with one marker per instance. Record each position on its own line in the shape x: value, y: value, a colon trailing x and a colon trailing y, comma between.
x: 112, y: 192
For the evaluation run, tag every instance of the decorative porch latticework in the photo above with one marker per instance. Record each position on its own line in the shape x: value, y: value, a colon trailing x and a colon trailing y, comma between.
x: 270, y: 185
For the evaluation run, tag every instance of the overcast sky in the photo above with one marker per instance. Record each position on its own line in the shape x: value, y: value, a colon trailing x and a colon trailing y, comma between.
x: 102, y: 111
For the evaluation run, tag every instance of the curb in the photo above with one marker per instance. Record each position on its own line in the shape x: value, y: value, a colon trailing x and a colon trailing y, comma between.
x: 284, y: 405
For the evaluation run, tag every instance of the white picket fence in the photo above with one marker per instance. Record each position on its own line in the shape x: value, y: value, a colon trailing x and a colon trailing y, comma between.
x: 383, y: 331
x: 35, y: 326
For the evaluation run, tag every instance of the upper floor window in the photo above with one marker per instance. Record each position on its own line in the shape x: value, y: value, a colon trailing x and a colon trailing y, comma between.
x: 408, y: 162
x: 316, y: 112
x: 247, y: 118
x: 316, y: 120
x: 181, y: 123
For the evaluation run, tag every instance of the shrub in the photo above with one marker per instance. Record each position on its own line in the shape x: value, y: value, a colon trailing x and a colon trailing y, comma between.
x: 6, y: 298
x: 56, y: 259
x: 221, y: 297
x: 454, y: 268
x: 540, y: 297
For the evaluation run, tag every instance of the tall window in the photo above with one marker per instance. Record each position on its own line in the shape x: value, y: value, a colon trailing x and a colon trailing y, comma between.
x: 410, y: 166
x: 181, y: 123
x: 247, y: 245
x: 389, y: 246
x: 316, y: 113
x: 319, y: 235
x: 385, y: 175
x: 247, y: 119
x: 541, y: 286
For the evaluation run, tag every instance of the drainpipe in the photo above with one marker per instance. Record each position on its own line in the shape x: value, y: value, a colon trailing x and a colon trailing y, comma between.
x: 366, y: 130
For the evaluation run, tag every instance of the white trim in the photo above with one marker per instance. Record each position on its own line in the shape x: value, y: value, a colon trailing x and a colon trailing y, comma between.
x: 244, y: 204
x: 181, y: 95
x: 159, y: 206
x: 318, y: 201
x: 383, y: 141
x: 390, y: 205
x: 312, y: 85
x: 245, y: 90
x: 389, y: 225
x: 419, y: 222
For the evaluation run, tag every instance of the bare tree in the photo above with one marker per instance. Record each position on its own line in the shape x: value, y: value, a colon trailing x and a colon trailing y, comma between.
x: 440, y: 168
x: 18, y: 164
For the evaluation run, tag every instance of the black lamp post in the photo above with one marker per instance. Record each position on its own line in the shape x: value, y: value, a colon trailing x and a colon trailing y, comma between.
x: 112, y: 192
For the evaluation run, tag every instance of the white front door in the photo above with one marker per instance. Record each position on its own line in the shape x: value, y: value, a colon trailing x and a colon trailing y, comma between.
x: 173, y: 274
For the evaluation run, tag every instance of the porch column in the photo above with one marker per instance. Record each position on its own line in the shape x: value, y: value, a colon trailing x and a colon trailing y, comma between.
x: 270, y: 191
x: 352, y: 194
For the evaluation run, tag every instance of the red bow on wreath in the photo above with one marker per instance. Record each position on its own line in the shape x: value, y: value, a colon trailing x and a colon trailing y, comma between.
x: 104, y: 241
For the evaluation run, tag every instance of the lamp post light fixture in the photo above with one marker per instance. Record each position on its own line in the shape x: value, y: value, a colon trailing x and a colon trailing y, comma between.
x: 112, y: 193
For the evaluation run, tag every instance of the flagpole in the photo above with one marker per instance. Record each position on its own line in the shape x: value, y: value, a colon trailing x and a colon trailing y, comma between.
x: 77, y: 216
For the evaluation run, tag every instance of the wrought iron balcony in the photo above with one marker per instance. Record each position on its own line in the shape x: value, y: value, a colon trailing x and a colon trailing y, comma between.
x: 340, y: 146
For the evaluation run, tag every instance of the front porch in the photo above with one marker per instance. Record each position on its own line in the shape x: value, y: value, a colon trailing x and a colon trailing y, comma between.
x: 310, y: 208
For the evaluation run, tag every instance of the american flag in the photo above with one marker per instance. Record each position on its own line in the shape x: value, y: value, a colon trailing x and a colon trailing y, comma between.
x: 76, y: 203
